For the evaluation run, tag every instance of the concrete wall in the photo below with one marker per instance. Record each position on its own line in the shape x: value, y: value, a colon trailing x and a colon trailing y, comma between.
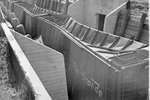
x: 85, y: 11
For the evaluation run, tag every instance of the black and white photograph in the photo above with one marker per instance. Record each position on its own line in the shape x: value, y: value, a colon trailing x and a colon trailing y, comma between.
x: 74, y: 50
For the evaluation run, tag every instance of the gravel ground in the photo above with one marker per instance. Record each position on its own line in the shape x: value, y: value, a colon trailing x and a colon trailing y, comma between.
x: 7, y: 79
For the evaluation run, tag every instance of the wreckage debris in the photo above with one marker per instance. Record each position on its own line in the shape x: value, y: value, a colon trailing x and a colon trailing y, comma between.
x: 98, y: 64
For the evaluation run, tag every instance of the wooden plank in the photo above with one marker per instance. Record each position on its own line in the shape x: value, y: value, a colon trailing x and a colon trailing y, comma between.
x: 121, y: 43
x: 115, y: 42
x: 76, y: 29
x: 90, y: 36
x: 135, y: 45
x: 71, y: 25
x: 109, y: 40
x: 98, y: 39
x: 83, y: 32
x: 86, y: 33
